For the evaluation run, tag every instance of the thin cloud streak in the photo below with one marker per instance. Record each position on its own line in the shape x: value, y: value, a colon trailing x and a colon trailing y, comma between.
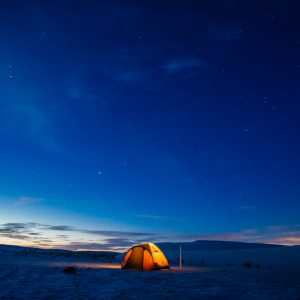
x: 155, y: 217
x: 182, y: 64
x: 42, y: 235
x: 25, y: 200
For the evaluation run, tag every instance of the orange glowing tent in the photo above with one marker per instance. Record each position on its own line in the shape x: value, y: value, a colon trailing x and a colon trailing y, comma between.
x: 146, y: 256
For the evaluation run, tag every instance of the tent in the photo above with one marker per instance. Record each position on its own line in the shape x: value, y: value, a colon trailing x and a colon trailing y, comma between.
x: 146, y: 256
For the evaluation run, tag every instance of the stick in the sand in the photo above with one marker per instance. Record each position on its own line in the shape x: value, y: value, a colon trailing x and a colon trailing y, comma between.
x: 180, y: 258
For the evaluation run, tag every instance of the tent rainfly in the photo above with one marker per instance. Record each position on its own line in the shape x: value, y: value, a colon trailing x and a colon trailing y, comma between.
x: 146, y: 256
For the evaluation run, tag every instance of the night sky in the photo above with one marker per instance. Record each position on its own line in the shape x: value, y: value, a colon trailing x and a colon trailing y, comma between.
x: 124, y: 121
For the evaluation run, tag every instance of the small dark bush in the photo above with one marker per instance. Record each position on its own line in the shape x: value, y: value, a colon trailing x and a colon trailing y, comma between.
x: 69, y: 270
x: 247, y: 264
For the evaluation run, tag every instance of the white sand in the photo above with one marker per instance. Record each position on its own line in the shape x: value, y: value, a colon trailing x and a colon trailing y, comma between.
x: 209, y: 275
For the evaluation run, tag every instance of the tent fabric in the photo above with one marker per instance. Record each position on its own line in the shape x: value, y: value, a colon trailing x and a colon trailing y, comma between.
x: 146, y: 256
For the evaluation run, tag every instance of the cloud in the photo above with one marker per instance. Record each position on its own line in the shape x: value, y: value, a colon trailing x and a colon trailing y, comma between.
x: 25, y: 200
x: 111, y: 244
x: 97, y: 232
x: 19, y: 231
x: 80, y: 246
x: 250, y: 231
x: 222, y: 236
x: 289, y: 241
x: 155, y: 217
x: 117, y: 233
x: 44, y: 235
x: 182, y: 64
x: 60, y: 228
x: 14, y: 236
x: 16, y: 227
x: 276, y: 227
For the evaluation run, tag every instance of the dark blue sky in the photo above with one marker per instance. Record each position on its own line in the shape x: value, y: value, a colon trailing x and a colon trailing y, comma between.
x: 174, y: 119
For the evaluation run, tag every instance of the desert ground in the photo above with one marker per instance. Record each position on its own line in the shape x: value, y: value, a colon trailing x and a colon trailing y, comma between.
x: 234, y: 274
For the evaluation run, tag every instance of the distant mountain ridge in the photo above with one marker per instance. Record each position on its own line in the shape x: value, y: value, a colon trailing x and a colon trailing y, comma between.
x: 208, y: 245
x: 57, y: 252
x: 200, y: 245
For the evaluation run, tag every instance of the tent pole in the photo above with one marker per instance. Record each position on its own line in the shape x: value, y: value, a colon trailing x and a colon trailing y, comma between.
x: 180, y: 258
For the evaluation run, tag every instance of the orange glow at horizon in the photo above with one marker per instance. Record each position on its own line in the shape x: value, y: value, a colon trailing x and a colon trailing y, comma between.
x: 89, y: 265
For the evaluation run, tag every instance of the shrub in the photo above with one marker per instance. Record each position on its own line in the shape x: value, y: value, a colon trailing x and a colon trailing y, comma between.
x: 69, y: 270
x: 247, y: 264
